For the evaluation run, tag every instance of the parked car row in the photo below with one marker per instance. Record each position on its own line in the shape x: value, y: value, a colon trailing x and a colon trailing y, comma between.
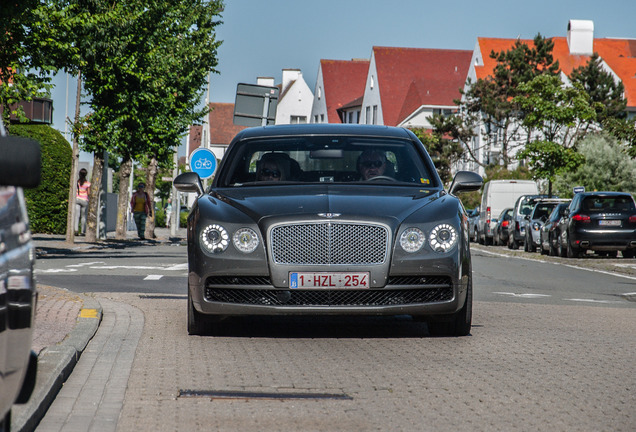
x: 602, y: 222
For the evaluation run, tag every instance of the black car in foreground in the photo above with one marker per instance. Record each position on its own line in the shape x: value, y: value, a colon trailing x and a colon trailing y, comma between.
x: 323, y: 219
x: 604, y: 222
x: 19, y: 167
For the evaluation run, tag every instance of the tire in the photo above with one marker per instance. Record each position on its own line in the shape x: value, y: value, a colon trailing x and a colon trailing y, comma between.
x: 572, y: 252
x: 461, y: 321
x: 5, y: 424
x: 196, y: 321
x: 562, y: 251
x: 529, y: 245
x: 552, y: 249
x: 512, y: 243
x: 628, y: 254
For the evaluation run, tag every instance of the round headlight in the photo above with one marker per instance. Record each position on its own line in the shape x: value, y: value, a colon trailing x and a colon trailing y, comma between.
x: 412, y: 239
x: 443, y: 238
x: 245, y: 240
x: 214, y: 238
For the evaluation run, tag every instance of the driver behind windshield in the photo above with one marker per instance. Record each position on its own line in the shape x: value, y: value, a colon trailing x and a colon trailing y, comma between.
x: 371, y: 163
x: 273, y: 167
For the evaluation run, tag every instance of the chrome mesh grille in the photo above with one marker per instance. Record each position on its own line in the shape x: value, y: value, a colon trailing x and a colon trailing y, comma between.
x: 329, y: 243
x: 255, y: 291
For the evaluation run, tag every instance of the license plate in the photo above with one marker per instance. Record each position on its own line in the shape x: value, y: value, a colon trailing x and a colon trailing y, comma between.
x: 609, y: 223
x: 322, y: 280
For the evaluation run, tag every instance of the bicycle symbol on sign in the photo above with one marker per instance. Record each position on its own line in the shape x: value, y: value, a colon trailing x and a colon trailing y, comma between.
x: 203, y: 164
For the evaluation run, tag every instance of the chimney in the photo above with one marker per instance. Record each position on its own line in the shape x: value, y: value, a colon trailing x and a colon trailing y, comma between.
x: 289, y: 76
x: 265, y: 81
x: 581, y: 37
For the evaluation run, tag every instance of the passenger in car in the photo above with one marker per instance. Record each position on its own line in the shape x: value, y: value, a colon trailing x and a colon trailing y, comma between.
x: 372, y: 163
x: 273, y: 167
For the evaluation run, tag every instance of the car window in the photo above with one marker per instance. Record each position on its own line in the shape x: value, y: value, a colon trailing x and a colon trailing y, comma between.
x: 325, y: 159
x: 605, y: 204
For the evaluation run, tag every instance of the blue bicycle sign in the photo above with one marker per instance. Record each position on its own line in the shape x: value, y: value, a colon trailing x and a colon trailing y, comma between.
x: 203, y: 162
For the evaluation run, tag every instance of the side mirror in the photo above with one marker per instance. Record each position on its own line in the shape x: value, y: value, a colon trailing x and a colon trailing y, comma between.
x: 465, y: 181
x: 189, y: 182
x: 20, y: 163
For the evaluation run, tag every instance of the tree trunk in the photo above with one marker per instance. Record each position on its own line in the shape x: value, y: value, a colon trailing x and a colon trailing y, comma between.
x: 72, y: 193
x: 151, y: 180
x: 123, y: 201
x: 93, y: 198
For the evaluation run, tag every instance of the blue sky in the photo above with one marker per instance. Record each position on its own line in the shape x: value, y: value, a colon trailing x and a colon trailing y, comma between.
x: 260, y: 38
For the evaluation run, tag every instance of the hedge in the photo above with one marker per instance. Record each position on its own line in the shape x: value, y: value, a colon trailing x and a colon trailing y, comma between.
x: 47, y: 205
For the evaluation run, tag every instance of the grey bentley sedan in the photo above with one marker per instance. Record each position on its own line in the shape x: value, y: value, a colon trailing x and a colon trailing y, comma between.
x: 323, y: 219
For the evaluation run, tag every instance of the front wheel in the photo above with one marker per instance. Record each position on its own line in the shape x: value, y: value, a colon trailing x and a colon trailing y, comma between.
x: 196, y: 320
x: 461, y: 321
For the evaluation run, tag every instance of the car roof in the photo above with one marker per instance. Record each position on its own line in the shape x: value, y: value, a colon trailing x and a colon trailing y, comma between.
x: 324, y: 129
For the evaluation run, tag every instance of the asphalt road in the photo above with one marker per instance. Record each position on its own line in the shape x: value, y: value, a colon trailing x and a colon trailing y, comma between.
x: 552, y: 348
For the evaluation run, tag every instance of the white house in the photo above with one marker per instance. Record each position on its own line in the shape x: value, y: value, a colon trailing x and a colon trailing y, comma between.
x: 295, y: 99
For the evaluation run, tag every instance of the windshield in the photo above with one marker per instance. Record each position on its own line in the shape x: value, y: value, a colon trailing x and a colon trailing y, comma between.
x: 326, y: 159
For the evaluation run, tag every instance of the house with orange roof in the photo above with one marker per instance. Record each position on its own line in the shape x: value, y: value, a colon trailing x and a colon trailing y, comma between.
x: 405, y: 86
x: 338, y: 91
x: 618, y: 57
x: 221, y: 130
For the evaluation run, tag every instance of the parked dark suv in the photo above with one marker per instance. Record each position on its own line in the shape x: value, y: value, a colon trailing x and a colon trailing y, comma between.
x: 19, y: 167
x: 523, y: 207
x: 600, y: 221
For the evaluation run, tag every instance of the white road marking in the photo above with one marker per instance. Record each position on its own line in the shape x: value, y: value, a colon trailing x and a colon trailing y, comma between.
x: 594, y: 301
x: 524, y: 295
x: 178, y: 267
x: 153, y: 277
x: 62, y: 270
x: 85, y: 264
x: 557, y: 263
x: 128, y: 267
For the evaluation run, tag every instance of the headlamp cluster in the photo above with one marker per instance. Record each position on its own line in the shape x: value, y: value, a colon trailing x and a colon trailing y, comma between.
x: 441, y: 239
x: 215, y: 239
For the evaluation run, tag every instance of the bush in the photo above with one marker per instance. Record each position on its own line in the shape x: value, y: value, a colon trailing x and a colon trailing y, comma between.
x: 47, y: 204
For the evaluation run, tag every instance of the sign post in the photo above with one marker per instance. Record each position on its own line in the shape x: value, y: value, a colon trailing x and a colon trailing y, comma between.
x: 203, y: 162
x: 255, y: 105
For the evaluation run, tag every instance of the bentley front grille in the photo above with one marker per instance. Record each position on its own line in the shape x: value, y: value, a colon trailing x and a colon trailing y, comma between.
x: 429, y: 290
x: 329, y: 243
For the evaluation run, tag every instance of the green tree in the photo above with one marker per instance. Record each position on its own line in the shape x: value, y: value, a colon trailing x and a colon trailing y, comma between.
x: 24, y: 66
x: 443, y: 142
x: 602, y: 88
x: 490, y: 101
x: 47, y: 204
x: 605, y: 168
x: 558, y: 115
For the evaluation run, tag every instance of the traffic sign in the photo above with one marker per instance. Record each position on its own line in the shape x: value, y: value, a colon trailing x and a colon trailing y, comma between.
x: 578, y: 189
x: 203, y: 162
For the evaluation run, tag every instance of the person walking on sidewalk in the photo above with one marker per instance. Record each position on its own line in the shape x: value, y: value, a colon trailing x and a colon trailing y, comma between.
x: 140, y: 206
x: 81, y: 202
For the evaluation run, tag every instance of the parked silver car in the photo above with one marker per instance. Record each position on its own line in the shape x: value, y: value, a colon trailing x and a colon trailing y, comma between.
x: 19, y: 167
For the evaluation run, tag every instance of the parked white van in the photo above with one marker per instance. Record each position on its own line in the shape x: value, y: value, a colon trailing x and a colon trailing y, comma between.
x: 498, y: 195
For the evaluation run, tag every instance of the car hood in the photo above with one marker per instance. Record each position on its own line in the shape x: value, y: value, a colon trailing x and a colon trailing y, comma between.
x: 343, y: 202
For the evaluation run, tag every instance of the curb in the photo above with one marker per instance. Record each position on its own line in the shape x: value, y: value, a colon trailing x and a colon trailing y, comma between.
x: 55, y: 364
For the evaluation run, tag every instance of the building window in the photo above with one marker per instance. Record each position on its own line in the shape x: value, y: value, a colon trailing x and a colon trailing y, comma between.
x: 375, y: 114
x: 316, y: 118
x: 297, y: 119
x: 322, y: 118
x: 372, y: 82
x: 350, y: 115
x: 367, y: 119
x: 319, y: 92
